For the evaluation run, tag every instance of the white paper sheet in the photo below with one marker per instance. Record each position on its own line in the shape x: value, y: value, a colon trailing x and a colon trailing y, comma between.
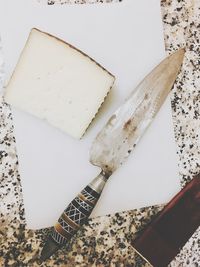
x: 127, y: 39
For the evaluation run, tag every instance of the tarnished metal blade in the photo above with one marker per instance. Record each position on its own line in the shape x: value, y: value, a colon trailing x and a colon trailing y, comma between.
x: 124, y: 129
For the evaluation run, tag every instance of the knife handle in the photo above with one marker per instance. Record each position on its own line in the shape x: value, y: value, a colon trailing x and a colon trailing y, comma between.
x: 74, y: 216
x: 78, y: 211
x: 162, y: 239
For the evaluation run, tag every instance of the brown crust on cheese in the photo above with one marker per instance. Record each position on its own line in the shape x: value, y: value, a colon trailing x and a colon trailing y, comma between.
x: 75, y: 48
x: 78, y: 50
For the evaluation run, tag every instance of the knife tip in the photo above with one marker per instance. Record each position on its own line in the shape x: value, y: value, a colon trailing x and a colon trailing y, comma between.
x: 175, y: 61
x: 181, y: 51
x: 179, y: 54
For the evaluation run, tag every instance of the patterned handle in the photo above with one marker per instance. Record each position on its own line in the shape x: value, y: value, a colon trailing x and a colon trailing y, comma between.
x: 78, y: 211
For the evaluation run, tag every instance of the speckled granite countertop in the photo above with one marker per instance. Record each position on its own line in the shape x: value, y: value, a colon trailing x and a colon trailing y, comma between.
x: 105, y: 241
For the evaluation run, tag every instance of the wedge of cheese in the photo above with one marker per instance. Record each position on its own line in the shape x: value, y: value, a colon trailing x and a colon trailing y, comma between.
x: 58, y: 83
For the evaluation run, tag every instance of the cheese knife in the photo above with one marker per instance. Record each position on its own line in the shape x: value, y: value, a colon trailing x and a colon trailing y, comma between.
x: 113, y: 145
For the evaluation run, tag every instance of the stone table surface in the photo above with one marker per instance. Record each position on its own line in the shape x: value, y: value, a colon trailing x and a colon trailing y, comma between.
x: 105, y: 241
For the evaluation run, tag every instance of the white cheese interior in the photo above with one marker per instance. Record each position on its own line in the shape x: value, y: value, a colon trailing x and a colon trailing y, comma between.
x: 55, y: 82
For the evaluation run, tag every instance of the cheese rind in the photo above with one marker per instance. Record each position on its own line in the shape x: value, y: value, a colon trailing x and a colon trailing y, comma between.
x: 57, y: 82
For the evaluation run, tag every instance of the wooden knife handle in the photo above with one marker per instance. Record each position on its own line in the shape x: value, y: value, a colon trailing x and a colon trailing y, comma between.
x: 163, y: 238
x: 78, y: 211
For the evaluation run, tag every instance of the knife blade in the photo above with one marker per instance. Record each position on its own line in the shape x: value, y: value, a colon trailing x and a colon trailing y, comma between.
x: 114, y: 144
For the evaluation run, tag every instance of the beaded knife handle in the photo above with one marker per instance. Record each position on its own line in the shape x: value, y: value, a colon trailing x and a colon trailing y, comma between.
x: 74, y: 216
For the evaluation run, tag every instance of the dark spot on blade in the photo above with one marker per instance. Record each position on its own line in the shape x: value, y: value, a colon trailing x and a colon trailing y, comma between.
x: 127, y: 124
x: 129, y: 127
x: 146, y: 96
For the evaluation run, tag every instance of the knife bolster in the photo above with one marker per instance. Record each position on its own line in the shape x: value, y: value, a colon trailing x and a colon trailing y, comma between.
x: 99, y: 182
